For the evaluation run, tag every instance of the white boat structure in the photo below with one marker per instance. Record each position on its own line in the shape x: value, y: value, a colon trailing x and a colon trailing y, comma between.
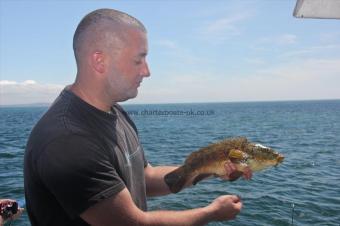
x: 317, y: 9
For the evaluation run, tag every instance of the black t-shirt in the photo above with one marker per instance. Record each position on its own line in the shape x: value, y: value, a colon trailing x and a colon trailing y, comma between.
x: 77, y: 156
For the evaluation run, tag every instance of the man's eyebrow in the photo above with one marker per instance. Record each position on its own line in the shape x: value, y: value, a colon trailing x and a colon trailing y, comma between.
x: 143, y: 54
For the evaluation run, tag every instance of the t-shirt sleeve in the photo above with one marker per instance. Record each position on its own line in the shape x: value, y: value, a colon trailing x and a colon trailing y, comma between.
x: 144, y: 157
x: 79, y: 173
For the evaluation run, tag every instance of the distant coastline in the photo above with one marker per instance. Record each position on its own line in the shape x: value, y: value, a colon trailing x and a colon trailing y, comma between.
x: 171, y: 103
x: 25, y: 105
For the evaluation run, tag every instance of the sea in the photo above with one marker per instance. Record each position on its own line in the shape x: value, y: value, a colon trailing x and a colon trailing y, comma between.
x: 304, y: 190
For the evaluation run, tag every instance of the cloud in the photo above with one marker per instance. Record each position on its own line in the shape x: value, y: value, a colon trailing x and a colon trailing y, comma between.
x: 226, y: 23
x: 282, y: 39
x: 313, y: 78
x: 299, y: 80
x: 6, y: 82
x: 27, y: 92
x: 304, y: 79
x: 255, y: 61
x: 167, y: 44
x: 287, y: 39
x: 224, y: 27
x: 179, y: 54
x: 312, y: 50
x: 330, y: 37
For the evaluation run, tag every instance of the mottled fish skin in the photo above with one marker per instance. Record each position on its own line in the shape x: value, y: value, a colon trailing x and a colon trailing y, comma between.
x: 210, y: 161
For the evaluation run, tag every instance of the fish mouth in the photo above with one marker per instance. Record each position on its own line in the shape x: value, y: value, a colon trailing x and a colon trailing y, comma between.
x: 280, y: 159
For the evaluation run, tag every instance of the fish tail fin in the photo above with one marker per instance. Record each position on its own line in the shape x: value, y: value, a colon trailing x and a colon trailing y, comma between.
x: 176, y: 179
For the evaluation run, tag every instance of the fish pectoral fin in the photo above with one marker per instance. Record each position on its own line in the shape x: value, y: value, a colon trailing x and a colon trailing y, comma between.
x: 235, y: 175
x: 201, y: 177
x: 236, y: 154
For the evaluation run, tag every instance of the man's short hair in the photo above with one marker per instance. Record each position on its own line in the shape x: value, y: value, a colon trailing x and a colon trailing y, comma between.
x: 98, y: 18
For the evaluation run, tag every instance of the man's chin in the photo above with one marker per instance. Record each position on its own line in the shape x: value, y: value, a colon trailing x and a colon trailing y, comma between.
x: 134, y: 94
x: 129, y: 96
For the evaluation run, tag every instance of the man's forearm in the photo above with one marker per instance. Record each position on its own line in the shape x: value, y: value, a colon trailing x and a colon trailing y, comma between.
x: 154, y: 179
x: 121, y: 210
x: 199, y: 216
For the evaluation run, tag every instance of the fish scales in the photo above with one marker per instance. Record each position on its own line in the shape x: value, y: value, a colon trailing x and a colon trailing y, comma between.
x: 210, y: 161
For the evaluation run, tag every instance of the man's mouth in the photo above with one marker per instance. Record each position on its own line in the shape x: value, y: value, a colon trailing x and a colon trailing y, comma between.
x: 138, y: 83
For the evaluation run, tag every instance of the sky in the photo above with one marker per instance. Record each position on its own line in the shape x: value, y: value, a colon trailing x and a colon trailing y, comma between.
x: 199, y: 50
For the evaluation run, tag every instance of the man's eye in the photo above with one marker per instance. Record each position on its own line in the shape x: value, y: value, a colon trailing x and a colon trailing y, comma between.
x: 137, y: 62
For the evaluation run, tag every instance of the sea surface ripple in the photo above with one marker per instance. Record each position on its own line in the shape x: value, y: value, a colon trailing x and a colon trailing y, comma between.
x: 306, y: 132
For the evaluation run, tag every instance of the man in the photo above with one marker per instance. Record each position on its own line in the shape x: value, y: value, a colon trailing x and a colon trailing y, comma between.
x: 84, y: 164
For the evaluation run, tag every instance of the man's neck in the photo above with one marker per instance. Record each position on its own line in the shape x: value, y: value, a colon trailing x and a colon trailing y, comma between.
x: 90, y: 98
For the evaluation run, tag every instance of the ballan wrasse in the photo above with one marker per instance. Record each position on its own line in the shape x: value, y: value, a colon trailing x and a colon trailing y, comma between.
x: 210, y: 161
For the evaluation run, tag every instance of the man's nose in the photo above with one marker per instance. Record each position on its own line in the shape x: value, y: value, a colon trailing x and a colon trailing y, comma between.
x: 145, y: 72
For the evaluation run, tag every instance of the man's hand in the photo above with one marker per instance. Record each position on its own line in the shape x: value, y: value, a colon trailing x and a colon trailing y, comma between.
x: 232, y: 173
x: 13, y: 217
x: 225, y: 207
x: 247, y: 173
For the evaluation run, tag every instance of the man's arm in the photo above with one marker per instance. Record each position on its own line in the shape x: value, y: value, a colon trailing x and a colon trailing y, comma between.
x: 154, y: 180
x: 156, y: 186
x: 121, y: 210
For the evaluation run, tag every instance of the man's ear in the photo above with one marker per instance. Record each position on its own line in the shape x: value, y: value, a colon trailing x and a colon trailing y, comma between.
x: 97, y: 62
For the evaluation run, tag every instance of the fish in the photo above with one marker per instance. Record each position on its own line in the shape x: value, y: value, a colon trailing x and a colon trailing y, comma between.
x: 210, y: 161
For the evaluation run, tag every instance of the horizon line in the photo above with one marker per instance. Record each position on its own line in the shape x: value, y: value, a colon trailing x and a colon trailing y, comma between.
x: 45, y: 104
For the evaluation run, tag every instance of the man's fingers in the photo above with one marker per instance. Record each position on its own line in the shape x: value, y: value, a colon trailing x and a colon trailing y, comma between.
x: 229, y: 167
x: 232, y: 173
x: 238, y: 205
x: 235, y: 198
x: 15, y: 216
x: 232, y: 166
x: 247, y: 174
x: 18, y: 214
x: 6, y: 200
x: 235, y: 175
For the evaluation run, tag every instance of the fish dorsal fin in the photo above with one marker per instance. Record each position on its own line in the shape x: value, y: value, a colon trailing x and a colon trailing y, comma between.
x: 236, y: 154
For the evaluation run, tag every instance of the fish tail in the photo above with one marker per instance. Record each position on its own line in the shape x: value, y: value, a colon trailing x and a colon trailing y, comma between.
x: 176, y: 179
